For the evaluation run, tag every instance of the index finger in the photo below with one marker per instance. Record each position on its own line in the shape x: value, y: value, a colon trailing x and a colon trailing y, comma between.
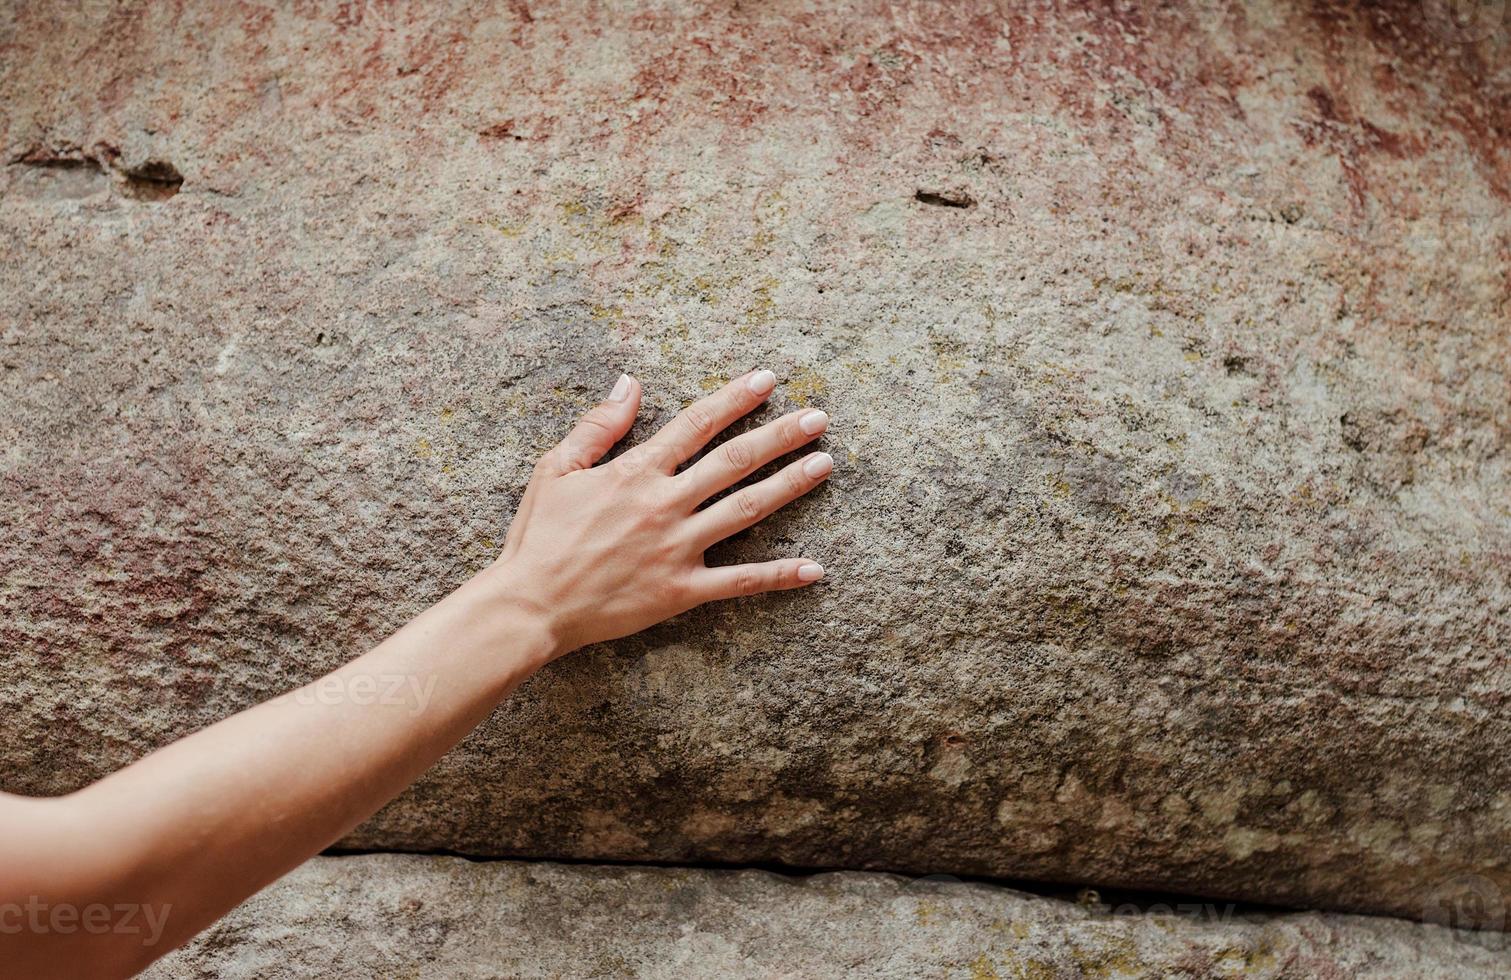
x: 681, y: 438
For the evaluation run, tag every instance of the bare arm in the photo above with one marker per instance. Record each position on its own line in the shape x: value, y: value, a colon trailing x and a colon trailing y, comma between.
x: 106, y: 880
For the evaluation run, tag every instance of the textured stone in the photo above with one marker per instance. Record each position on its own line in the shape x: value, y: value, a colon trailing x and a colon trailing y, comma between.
x: 422, y: 917
x: 1167, y: 350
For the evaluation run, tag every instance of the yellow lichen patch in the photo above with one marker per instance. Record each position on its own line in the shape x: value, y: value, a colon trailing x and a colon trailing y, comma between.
x: 507, y: 229
x: 706, y: 289
x: 1117, y: 957
x: 675, y: 341
x: 805, y: 385
x: 762, y: 306
x: 863, y: 370
x: 1243, y: 961
x: 981, y: 968
x: 1262, y: 958
x: 1037, y: 970
x: 770, y: 211
x: 422, y: 448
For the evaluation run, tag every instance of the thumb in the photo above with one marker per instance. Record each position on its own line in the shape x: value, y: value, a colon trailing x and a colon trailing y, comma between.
x: 596, y: 432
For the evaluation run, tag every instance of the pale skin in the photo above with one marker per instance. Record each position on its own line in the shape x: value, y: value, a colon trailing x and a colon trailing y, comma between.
x: 105, y: 880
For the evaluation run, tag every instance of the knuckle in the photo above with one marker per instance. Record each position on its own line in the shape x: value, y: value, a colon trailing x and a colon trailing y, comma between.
x: 736, y: 454
x: 699, y: 420
x: 788, y: 432
x: 796, y: 481
x: 630, y: 464
x: 747, y: 581
x: 747, y: 505
x: 670, y: 500
x: 650, y: 456
x: 672, y: 591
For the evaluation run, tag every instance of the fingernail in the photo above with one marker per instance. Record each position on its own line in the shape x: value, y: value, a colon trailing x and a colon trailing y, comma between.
x: 621, y: 389
x: 810, y: 572
x: 761, y: 382
x: 818, y: 465
x: 813, y: 423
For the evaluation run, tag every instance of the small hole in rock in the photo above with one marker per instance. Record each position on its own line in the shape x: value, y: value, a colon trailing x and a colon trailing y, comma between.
x: 949, y: 199
x: 154, y: 180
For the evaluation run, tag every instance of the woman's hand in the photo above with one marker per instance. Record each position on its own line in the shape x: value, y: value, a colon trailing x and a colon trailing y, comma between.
x: 594, y: 553
x: 604, y: 551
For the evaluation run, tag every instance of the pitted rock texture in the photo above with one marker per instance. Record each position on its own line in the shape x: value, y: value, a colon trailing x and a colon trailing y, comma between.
x: 1167, y: 349
x: 423, y: 917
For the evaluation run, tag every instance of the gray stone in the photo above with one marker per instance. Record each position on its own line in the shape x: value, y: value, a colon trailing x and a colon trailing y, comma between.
x: 1167, y: 351
x: 423, y: 917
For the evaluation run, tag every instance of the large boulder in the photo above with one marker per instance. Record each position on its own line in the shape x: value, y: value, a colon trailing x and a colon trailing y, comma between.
x: 1167, y: 349
x: 439, y: 917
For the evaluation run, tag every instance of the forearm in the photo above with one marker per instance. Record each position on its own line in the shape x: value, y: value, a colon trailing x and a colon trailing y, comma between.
x: 595, y: 552
x: 197, y: 827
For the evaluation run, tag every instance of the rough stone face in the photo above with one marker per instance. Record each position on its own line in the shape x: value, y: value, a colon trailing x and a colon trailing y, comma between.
x: 422, y: 917
x: 1167, y: 351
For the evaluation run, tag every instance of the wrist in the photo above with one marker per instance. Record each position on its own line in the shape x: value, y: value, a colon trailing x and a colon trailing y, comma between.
x: 519, y: 614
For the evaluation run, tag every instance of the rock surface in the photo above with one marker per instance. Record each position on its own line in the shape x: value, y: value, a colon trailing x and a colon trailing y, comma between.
x: 1167, y: 351
x: 422, y: 917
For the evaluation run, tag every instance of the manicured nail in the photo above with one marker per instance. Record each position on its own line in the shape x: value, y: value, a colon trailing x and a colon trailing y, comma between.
x: 621, y: 389
x: 810, y: 572
x: 813, y: 423
x: 761, y: 382
x: 817, y: 465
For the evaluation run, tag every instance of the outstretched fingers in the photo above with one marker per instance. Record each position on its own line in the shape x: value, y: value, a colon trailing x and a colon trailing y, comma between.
x: 744, y: 454
x: 596, y: 432
x: 681, y: 438
x: 729, y: 581
x: 758, y: 501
